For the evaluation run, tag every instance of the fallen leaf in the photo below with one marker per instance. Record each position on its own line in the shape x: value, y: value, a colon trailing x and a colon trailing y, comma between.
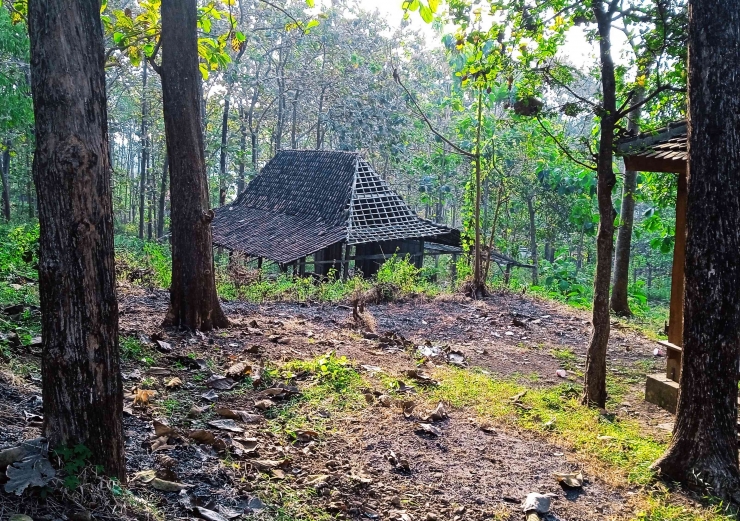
x: 256, y: 505
x: 145, y: 476
x: 408, y: 408
x: 163, y: 346
x: 210, y: 396
x: 158, y: 371
x: 142, y: 397
x: 161, y: 429
x: 385, y: 400
x: 306, y: 435
x: 535, y: 502
x: 229, y: 513
x: 167, y: 486
x: 239, y: 370
x: 174, y: 383
x: 428, y: 428
x: 277, y: 474
x: 34, y: 470
x: 438, y: 414
x: 226, y: 425
x: 221, y: 383
x: 209, y: 515
x: 571, y: 479
x: 202, y: 436
x: 263, y: 405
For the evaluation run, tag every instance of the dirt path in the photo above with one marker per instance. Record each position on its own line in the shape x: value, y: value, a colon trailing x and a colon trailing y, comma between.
x: 349, y: 470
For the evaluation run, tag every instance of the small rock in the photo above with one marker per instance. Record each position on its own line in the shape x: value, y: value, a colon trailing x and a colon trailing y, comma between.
x: 20, y: 517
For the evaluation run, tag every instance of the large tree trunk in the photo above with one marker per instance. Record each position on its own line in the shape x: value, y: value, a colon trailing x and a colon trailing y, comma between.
x: 193, y: 300
x: 704, y: 449
x: 5, y: 173
x: 163, y: 195
x: 533, y: 242
x: 82, y: 391
x: 619, y: 300
x: 594, y: 389
x: 144, y: 150
x: 222, y: 164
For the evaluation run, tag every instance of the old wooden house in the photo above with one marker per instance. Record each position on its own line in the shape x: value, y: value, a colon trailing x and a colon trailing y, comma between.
x: 326, y: 210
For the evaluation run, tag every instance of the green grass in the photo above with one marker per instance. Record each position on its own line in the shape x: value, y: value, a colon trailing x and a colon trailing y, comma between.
x: 334, y: 386
x: 566, y: 357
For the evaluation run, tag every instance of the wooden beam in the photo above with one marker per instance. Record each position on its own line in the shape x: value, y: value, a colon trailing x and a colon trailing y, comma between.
x: 675, y: 321
x: 652, y: 164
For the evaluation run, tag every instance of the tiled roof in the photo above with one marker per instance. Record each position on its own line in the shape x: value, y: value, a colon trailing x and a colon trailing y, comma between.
x: 664, y: 148
x: 305, y: 200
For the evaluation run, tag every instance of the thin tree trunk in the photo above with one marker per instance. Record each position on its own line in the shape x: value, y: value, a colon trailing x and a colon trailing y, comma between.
x: 704, y: 448
x: 6, y: 180
x: 533, y: 241
x: 222, y: 164
x: 491, y: 241
x: 144, y: 150
x: 619, y: 299
x: 163, y: 195
x: 193, y: 300
x: 243, y: 151
x: 478, y: 282
x: 320, y: 120
x: 595, y: 378
x: 80, y: 368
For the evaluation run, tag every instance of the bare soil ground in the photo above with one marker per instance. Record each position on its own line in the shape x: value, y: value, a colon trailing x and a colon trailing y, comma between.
x: 351, y: 470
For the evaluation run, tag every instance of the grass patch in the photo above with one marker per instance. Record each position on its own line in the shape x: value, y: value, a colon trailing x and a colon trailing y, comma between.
x: 566, y: 357
x: 334, y: 386
x: 132, y: 349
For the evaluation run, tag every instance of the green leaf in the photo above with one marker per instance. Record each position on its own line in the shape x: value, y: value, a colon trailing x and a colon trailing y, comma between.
x: 310, y: 3
x: 434, y: 5
x: 426, y: 14
x: 239, y: 36
x: 203, y: 71
x: 312, y: 23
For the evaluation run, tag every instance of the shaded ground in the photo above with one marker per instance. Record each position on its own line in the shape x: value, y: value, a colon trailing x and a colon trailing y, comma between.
x: 348, y: 469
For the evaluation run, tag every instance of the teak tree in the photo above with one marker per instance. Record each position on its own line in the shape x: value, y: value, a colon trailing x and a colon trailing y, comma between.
x: 82, y: 390
x: 193, y: 300
x: 704, y: 449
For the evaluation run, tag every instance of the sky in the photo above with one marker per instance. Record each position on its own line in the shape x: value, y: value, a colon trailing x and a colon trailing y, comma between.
x: 577, y: 49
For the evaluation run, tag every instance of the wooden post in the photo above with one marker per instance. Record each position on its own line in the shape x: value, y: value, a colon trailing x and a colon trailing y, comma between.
x: 507, y: 275
x: 345, y: 262
x: 675, y: 321
x: 302, y: 267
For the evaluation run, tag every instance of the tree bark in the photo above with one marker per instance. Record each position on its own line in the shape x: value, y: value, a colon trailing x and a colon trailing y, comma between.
x: 619, y: 299
x: 80, y: 368
x: 144, y: 150
x: 5, y: 173
x: 193, y: 300
x: 163, y: 195
x: 533, y: 242
x: 704, y: 449
x: 594, y: 389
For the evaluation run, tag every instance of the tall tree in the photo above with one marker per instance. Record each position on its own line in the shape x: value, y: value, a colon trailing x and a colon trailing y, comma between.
x: 143, y: 166
x: 82, y: 391
x: 704, y: 448
x: 5, y: 173
x: 193, y: 299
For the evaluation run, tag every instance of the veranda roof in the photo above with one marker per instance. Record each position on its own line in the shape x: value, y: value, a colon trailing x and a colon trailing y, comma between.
x: 305, y: 200
x: 664, y: 150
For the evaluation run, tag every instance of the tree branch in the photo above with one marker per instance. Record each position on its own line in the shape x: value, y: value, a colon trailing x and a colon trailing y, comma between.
x: 423, y: 116
x: 648, y: 99
x: 562, y: 147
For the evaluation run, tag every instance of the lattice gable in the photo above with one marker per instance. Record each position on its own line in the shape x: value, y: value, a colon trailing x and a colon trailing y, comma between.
x: 378, y: 213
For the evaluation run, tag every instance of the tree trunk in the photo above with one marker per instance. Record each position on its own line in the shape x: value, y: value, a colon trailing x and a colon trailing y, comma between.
x: 595, y: 379
x: 193, y: 300
x: 163, y: 195
x: 533, y: 242
x: 704, y: 448
x: 243, y: 152
x: 479, y: 285
x: 82, y: 391
x: 6, y: 180
x: 320, y: 120
x: 144, y: 150
x: 619, y: 301
x: 222, y: 164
